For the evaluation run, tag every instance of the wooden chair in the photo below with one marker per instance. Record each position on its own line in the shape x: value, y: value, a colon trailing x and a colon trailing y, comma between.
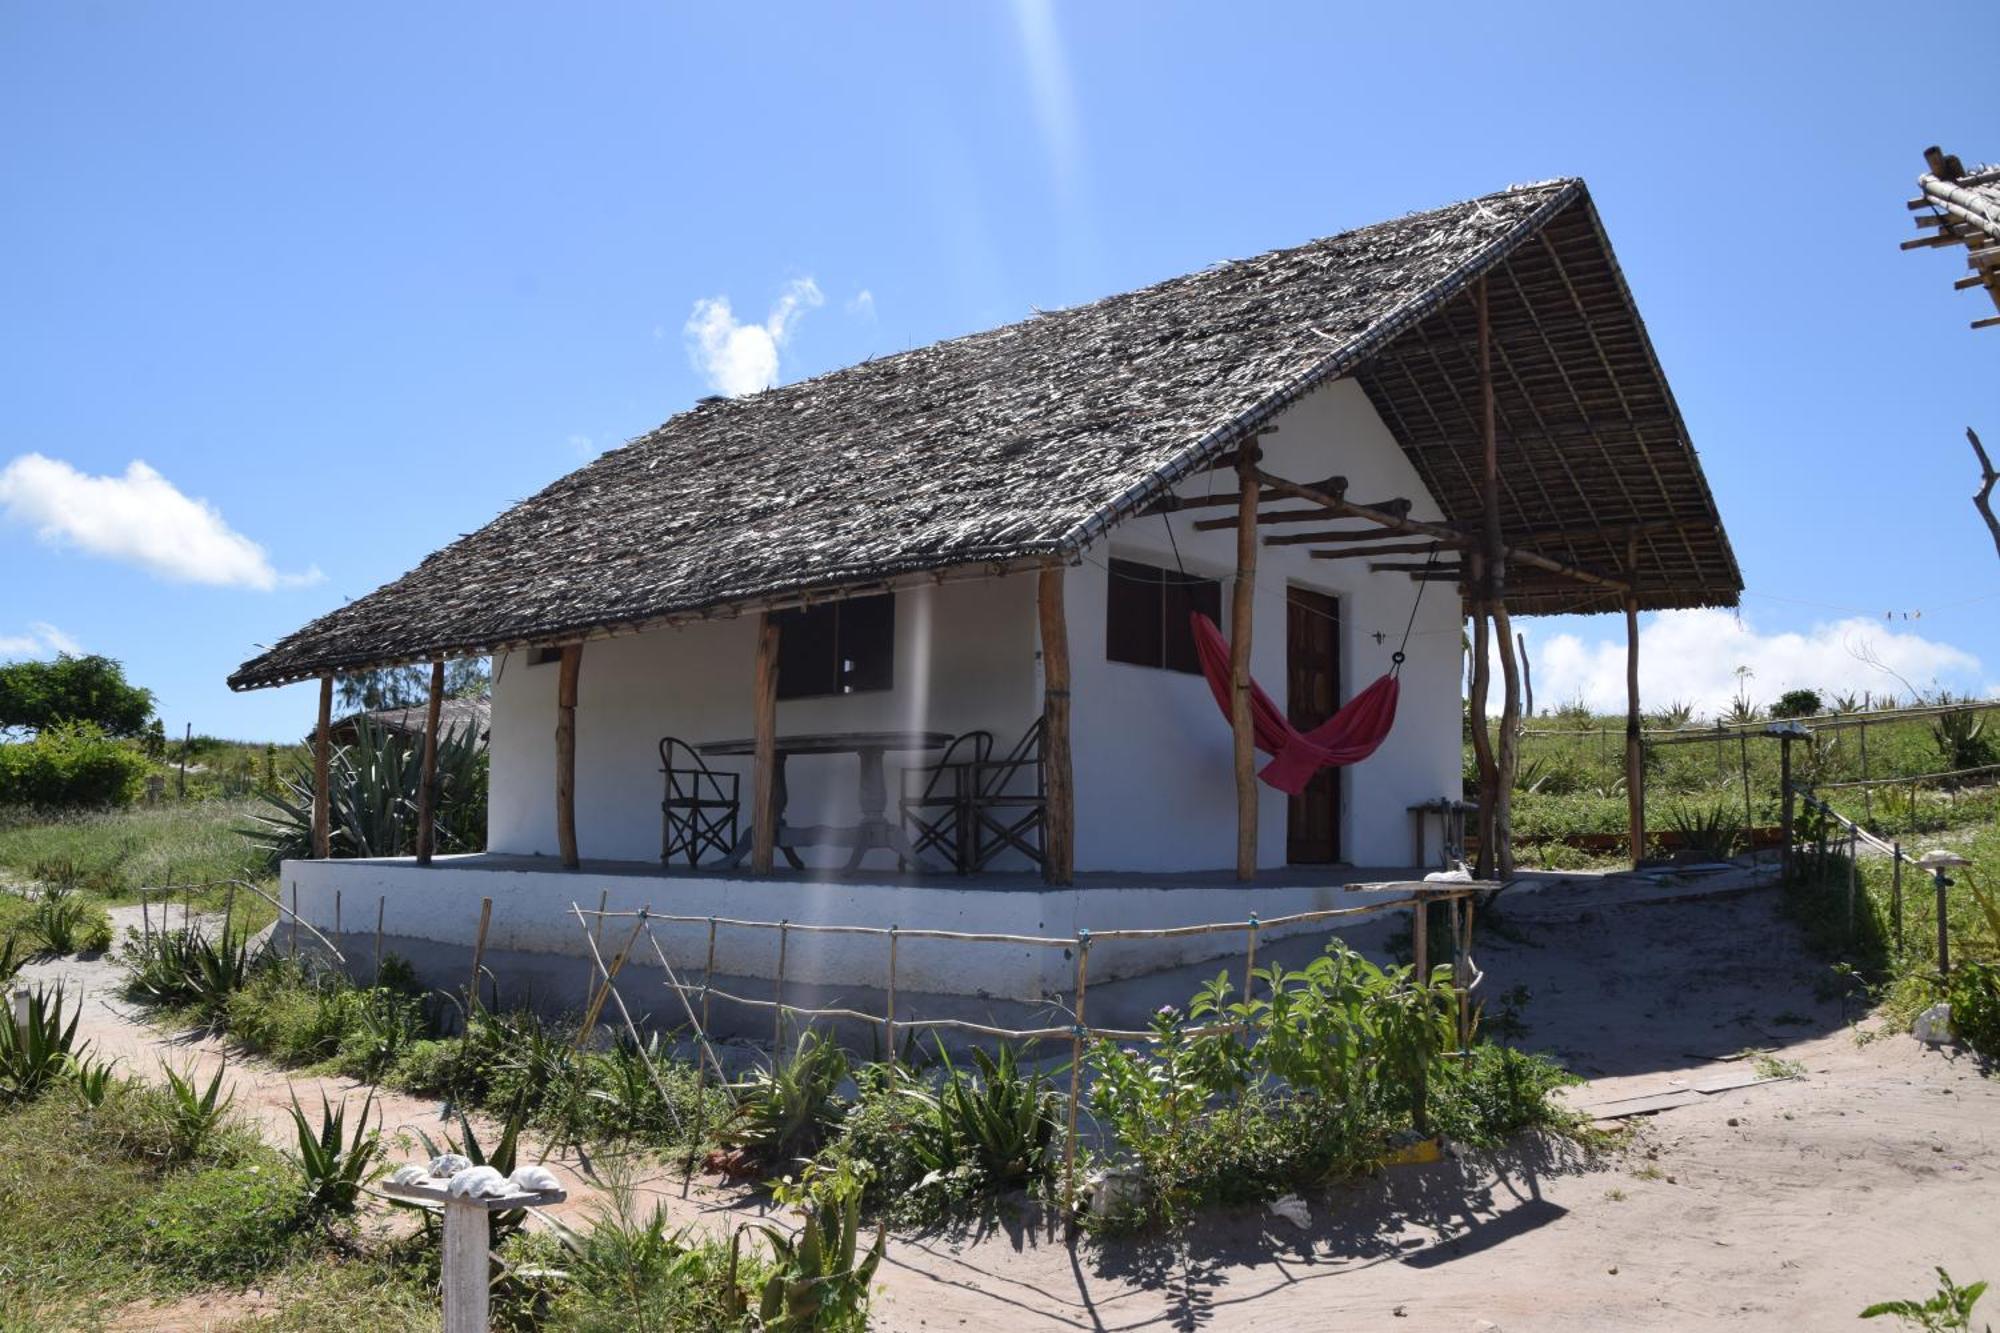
x: 1008, y: 800
x: 935, y: 801
x: 700, y: 810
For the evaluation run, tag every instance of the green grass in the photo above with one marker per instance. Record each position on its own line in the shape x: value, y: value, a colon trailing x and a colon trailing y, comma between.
x: 114, y: 853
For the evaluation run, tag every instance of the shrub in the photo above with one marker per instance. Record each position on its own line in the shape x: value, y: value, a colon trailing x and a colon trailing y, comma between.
x: 1973, y: 991
x: 71, y: 764
x: 1798, y: 703
x: 1496, y: 1092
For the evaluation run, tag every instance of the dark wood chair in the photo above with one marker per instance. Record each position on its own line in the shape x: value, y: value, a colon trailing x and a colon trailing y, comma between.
x: 700, y: 810
x: 1009, y: 802
x: 935, y: 803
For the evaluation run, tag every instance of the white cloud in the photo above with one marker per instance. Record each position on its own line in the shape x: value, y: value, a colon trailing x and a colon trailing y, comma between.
x: 41, y: 640
x: 862, y: 304
x: 739, y: 359
x: 1692, y: 656
x: 1049, y: 84
x: 139, y: 518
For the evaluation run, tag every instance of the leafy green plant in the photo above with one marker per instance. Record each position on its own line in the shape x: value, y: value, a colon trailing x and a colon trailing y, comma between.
x: 633, y: 1273
x: 820, y: 1277
x: 1973, y: 992
x: 194, y: 1113
x: 1711, y: 834
x: 67, y: 923
x: 1949, y: 1309
x: 1798, y: 703
x: 1961, y: 739
x: 186, y: 967
x: 788, y: 1110
x: 997, y: 1126
x: 91, y: 1081
x: 334, y: 1164
x: 11, y: 958
x: 35, y: 1054
x: 71, y: 764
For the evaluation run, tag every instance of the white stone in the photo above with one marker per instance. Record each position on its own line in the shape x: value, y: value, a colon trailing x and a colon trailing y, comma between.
x: 1933, y: 1026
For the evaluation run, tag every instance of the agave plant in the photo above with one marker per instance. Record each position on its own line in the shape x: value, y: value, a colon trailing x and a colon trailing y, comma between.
x: 1712, y: 833
x: 36, y: 1053
x: 195, y: 1113
x: 186, y: 967
x: 91, y: 1081
x: 999, y: 1124
x: 335, y: 1164
x: 1961, y: 739
x: 787, y: 1111
x: 501, y: 1157
x: 373, y: 796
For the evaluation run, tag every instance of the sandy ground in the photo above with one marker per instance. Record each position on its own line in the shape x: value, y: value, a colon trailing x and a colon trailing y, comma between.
x: 1788, y: 1203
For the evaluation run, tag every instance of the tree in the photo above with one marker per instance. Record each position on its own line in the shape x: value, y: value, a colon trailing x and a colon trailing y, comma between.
x: 37, y: 695
x: 410, y: 686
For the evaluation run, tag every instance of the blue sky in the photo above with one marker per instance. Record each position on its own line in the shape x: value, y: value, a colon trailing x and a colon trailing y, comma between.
x: 354, y: 279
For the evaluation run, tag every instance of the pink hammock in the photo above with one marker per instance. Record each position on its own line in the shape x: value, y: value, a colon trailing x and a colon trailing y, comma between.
x: 1348, y: 737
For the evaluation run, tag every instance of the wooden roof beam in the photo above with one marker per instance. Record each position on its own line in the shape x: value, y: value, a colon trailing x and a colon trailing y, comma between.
x: 1400, y: 523
x: 1398, y: 506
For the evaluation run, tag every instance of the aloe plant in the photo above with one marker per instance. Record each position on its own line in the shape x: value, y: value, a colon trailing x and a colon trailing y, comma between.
x: 38, y: 1052
x: 999, y: 1123
x: 786, y: 1111
x: 334, y: 1164
x: 820, y: 1276
x: 196, y: 1113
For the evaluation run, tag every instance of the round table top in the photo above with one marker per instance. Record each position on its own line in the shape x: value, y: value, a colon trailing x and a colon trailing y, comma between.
x: 837, y: 742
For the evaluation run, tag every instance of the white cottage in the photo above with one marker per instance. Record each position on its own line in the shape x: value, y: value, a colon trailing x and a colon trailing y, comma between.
x: 910, y: 643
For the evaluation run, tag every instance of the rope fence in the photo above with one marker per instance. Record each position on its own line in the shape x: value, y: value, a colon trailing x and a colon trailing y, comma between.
x: 1460, y: 898
x: 1856, y: 837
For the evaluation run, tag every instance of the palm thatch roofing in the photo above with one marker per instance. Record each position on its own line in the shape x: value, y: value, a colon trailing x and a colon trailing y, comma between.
x: 1964, y: 208
x: 454, y: 715
x: 1030, y: 442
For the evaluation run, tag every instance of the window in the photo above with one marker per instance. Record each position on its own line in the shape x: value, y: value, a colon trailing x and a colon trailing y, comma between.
x: 1147, y: 615
x: 544, y: 656
x: 838, y: 648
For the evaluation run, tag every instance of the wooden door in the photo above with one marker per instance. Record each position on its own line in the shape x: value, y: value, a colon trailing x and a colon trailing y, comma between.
x: 1312, y: 693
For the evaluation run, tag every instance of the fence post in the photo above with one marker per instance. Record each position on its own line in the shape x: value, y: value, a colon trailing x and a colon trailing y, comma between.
x: 381, y: 901
x: 1785, y: 790
x: 889, y: 1012
x: 1250, y: 959
x: 1896, y: 893
x: 1943, y: 933
x: 295, y: 921
x: 1853, y: 876
x: 778, y: 1013
x: 1076, y: 1066
x: 1867, y: 792
x: 1749, y: 818
x: 1420, y: 925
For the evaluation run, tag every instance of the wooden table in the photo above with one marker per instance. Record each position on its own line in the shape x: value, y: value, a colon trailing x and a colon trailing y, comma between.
x: 876, y: 828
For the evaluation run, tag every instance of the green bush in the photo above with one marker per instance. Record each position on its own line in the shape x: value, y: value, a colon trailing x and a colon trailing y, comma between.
x: 71, y: 764
x: 1798, y: 703
x: 1973, y: 991
x: 1496, y: 1092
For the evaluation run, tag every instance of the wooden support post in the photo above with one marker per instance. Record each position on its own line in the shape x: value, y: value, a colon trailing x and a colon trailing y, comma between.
x: 479, y: 953
x: 1078, y: 1031
x: 572, y: 661
x: 427, y: 782
x: 764, y: 756
x: 778, y: 994
x: 322, y: 766
x: 1749, y: 816
x: 1242, y: 608
x: 381, y: 904
x: 1482, y: 738
x: 1059, y: 786
x: 1940, y: 883
x: 889, y: 1011
x: 1506, y: 748
x: 1635, y: 764
x: 465, y: 1271
x: 1867, y: 792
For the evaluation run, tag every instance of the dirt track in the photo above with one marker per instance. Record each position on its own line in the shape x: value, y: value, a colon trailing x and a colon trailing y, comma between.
x: 1791, y: 1203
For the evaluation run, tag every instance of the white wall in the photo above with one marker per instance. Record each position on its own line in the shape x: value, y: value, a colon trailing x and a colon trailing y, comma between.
x: 964, y: 661
x: 1154, y: 779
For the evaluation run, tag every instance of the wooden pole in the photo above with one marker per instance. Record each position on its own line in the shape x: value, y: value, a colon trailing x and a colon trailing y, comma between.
x: 1853, y: 877
x: 778, y: 1009
x: 1867, y: 792
x: 1059, y: 815
x: 572, y: 662
x: 1078, y: 1031
x: 479, y: 952
x: 1482, y: 738
x: 1242, y: 606
x: 1635, y: 766
x: 381, y: 902
x: 1896, y: 893
x: 427, y: 782
x: 764, y: 756
x: 889, y: 1012
x: 322, y: 764
x: 1506, y: 751
x: 1749, y: 816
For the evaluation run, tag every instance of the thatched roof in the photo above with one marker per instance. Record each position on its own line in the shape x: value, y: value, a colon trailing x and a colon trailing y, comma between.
x: 454, y: 715
x: 1030, y: 441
